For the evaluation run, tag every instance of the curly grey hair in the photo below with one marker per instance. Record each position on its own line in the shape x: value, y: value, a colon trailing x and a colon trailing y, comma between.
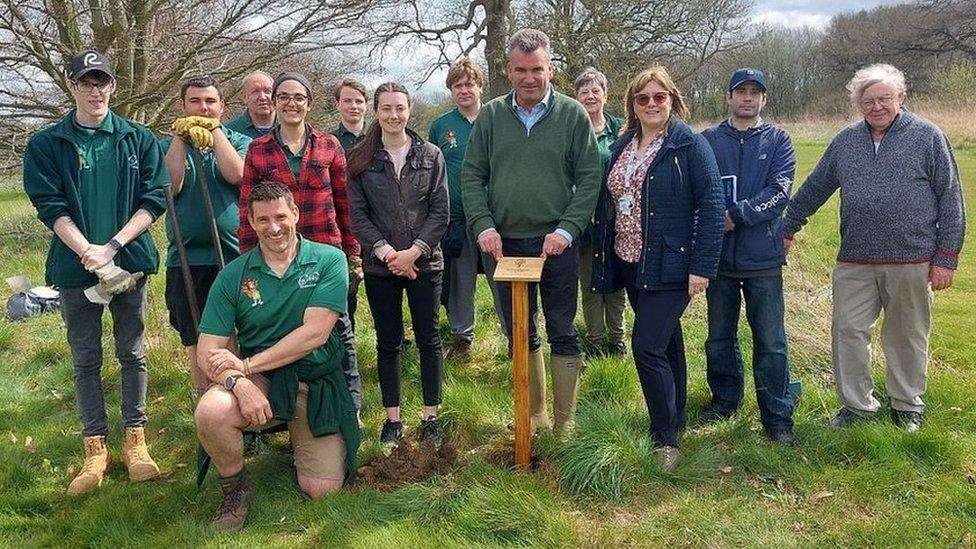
x: 529, y: 40
x: 870, y: 75
x: 590, y: 75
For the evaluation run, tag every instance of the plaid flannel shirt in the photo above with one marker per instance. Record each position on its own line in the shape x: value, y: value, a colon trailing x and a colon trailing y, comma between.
x: 320, y: 192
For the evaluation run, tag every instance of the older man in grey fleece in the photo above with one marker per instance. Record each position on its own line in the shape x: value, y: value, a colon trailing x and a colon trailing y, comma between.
x: 902, y: 227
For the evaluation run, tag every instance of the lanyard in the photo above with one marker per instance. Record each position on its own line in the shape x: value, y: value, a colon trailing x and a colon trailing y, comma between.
x: 632, y: 163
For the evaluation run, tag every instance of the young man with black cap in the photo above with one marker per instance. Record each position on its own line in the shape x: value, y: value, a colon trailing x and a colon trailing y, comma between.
x: 313, y: 166
x: 757, y: 164
x: 97, y: 180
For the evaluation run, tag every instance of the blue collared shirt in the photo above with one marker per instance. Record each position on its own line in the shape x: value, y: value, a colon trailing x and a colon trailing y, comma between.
x: 530, y: 117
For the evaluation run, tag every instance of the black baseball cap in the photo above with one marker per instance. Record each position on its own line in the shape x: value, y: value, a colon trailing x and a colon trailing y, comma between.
x: 742, y: 76
x: 297, y: 77
x: 86, y: 62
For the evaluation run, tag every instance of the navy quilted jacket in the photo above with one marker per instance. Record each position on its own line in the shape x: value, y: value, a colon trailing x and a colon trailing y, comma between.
x: 682, y: 221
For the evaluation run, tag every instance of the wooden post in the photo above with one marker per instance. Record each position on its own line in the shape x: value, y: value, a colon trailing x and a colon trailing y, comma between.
x: 520, y: 271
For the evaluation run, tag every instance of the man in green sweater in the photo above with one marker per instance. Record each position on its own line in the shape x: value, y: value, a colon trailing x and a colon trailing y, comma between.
x: 98, y: 181
x: 284, y: 298
x: 530, y: 182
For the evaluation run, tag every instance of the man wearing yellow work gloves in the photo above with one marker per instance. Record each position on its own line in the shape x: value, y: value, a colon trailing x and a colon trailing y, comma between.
x: 221, y: 152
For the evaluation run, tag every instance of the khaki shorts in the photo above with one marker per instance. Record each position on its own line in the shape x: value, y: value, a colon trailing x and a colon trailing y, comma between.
x: 316, y: 457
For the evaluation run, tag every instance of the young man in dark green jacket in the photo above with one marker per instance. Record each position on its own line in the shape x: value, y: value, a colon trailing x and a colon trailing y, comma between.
x: 529, y: 184
x: 97, y: 180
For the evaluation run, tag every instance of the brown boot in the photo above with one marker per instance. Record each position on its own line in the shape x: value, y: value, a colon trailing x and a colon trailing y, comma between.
x: 232, y: 511
x: 565, y: 390
x: 136, y: 455
x: 93, y: 471
x: 537, y: 391
x: 459, y: 349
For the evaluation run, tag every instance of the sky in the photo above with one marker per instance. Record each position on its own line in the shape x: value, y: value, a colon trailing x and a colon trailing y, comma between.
x: 809, y: 13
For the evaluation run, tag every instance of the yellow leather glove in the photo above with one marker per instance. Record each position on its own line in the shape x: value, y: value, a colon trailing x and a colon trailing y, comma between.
x: 200, y: 138
x: 181, y: 126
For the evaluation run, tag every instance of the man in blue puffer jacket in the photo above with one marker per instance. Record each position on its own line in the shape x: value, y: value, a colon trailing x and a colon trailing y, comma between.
x: 757, y: 164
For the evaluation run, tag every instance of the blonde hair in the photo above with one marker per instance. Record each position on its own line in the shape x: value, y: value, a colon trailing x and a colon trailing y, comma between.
x: 465, y: 67
x: 660, y: 75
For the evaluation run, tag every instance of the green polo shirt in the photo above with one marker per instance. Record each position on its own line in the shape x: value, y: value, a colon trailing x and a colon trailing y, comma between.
x: 98, y: 182
x: 347, y: 139
x: 610, y: 133
x: 294, y: 159
x: 243, y: 124
x: 192, y: 214
x: 450, y: 132
x: 265, y: 308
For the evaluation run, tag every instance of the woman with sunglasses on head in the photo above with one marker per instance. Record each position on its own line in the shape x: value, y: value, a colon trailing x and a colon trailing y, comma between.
x: 658, y: 234
x: 400, y: 212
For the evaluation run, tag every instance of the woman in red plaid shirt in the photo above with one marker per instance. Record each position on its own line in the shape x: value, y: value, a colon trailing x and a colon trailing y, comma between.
x: 313, y: 166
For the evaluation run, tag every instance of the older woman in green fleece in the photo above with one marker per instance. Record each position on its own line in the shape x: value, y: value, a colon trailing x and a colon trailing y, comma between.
x: 902, y: 225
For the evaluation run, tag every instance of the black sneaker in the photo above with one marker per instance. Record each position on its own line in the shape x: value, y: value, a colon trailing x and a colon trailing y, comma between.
x: 907, y: 420
x: 616, y: 349
x: 714, y: 414
x: 391, y: 435
x: 845, y: 418
x: 431, y: 430
x: 783, y: 436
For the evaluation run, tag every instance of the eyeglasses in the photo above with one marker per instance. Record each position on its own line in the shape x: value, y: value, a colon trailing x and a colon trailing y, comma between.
x: 297, y: 98
x: 644, y: 99
x: 86, y: 86
x: 884, y: 101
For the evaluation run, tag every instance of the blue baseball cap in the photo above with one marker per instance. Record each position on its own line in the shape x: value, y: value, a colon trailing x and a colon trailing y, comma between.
x: 742, y: 76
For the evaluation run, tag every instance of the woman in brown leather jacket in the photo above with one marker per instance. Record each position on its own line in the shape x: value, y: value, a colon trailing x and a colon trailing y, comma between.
x: 400, y: 210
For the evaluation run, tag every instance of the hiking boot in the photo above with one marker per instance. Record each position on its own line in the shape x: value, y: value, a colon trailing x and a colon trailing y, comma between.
x: 714, y: 414
x: 592, y: 348
x: 616, y: 349
x: 232, y: 511
x: 93, y: 471
x: 782, y: 436
x: 459, y: 348
x: 431, y: 430
x: 136, y: 455
x: 391, y: 434
x: 667, y: 457
x: 845, y: 418
x: 907, y: 420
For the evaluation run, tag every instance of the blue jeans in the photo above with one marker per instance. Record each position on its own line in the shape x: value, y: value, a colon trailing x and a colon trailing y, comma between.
x: 770, y: 365
x: 83, y: 320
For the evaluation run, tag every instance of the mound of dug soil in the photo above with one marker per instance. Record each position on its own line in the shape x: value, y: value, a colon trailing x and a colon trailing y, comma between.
x: 407, y: 463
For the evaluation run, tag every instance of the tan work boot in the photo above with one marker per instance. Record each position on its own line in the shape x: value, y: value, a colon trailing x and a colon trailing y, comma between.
x: 136, y: 455
x: 93, y: 471
x: 565, y: 390
x: 537, y: 391
x: 232, y: 511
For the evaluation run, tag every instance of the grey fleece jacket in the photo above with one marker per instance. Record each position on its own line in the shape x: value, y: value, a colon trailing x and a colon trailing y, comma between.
x: 901, y: 204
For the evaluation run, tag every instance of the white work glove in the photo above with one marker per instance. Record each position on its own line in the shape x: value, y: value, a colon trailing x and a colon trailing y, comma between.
x: 116, y: 280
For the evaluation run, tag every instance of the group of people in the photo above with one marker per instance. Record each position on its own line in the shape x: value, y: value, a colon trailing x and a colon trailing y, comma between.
x: 273, y: 225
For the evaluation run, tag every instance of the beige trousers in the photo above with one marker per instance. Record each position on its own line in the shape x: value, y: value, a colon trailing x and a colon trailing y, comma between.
x: 860, y: 294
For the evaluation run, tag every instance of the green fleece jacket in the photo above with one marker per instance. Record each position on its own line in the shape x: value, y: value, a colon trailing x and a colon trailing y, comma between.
x: 528, y: 184
x: 51, y: 180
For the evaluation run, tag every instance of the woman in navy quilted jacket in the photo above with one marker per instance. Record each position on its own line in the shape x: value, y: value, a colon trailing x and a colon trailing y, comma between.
x: 658, y: 234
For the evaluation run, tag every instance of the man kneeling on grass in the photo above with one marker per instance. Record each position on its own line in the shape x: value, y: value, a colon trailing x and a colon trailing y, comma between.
x: 283, y: 298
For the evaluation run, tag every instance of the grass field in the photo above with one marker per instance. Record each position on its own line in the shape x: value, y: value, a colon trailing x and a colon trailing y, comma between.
x: 871, y: 485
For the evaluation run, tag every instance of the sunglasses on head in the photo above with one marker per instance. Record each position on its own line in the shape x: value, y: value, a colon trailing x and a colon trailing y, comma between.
x: 644, y: 99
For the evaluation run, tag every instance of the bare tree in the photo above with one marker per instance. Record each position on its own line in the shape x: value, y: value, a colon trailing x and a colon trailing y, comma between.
x: 943, y: 27
x: 154, y: 44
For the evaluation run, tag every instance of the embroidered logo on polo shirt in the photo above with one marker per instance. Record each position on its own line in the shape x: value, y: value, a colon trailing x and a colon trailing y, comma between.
x: 250, y: 289
x: 451, y: 138
x: 133, y: 162
x: 308, y: 280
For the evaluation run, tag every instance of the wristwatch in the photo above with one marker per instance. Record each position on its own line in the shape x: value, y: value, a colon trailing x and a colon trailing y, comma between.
x: 115, y: 244
x: 231, y: 381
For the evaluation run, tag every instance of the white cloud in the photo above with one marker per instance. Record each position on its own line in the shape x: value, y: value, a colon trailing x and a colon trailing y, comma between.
x: 792, y: 18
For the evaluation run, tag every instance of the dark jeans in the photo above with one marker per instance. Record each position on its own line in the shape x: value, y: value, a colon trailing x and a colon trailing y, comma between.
x: 770, y: 366
x: 659, y: 354
x: 385, y: 295
x: 83, y: 320
x: 558, y: 286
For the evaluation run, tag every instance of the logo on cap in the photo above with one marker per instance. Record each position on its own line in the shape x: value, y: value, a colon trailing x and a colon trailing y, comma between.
x: 91, y: 58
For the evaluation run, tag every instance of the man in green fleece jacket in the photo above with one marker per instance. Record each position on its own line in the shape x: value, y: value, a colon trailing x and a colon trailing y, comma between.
x: 284, y: 298
x: 98, y: 181
x: 530, y: 180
